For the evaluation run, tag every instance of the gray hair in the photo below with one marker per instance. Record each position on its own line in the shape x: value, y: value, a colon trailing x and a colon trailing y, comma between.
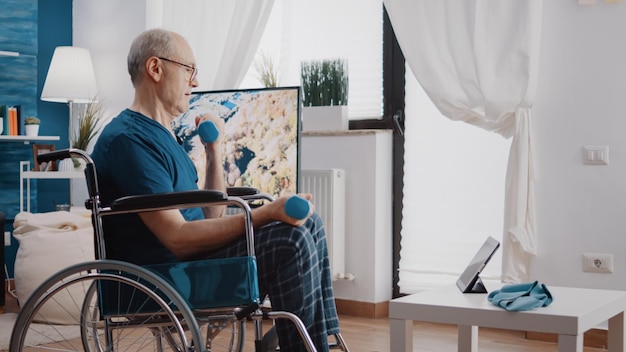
x: 153, y: 42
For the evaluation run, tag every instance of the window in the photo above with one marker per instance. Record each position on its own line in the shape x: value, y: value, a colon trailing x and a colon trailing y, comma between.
x: 453, y: 194
x: 300, y: 30
x: 445, y: 220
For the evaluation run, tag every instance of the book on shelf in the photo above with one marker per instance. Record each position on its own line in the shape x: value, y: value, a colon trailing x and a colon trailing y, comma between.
x: 14, y: 120
x: 12, y: 124
x: 18, y: 118
x: 5, y: 120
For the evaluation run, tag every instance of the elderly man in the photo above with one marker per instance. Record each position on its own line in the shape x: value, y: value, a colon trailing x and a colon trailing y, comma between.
x: 137, y: 153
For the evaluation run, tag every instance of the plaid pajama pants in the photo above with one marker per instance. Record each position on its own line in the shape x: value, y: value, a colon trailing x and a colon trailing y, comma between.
x: 294, y: 269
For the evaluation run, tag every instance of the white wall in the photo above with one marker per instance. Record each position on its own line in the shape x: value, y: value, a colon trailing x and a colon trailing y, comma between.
x: 364, y: 155
x: 580, y: 101
x: 107, y: 29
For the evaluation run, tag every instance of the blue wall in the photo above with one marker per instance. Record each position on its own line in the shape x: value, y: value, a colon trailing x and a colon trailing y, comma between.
x: 55, y: 29
x: 43, y: 25
x: 18, y: 86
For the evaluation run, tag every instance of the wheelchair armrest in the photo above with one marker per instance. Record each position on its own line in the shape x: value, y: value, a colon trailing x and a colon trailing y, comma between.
x: 165, y: 200
x: 249, y: 194
x: 242, y: 191
x: 174, y: 200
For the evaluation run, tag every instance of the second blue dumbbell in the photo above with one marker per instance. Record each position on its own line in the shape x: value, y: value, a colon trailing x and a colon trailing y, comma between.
x: 297, y: 207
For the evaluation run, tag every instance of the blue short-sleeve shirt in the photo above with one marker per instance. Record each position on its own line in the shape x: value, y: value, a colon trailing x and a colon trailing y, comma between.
x: 135, y: 155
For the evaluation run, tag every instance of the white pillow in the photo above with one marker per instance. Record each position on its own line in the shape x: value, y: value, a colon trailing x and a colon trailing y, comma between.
x: 48, y: 243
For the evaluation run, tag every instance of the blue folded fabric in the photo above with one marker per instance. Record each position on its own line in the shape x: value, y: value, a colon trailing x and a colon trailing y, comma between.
x: 518, y: 297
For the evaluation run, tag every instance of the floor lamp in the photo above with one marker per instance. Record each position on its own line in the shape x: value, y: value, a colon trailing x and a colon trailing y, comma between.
x: 70, y: 80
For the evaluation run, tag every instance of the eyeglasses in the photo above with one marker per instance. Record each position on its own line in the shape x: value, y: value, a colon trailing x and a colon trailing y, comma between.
x: 194, y: 70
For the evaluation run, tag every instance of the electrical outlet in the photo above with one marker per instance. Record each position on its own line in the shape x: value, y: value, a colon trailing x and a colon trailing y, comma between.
x: 7, y: 238
x: 598, y: 263
x: 596, y: 155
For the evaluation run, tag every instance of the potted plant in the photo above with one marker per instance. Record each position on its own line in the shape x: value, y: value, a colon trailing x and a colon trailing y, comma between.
x: 31, y: 126
x: 325, y: 94
x: 266, y: 70
x: 325, y: 82
x: 88, y: 127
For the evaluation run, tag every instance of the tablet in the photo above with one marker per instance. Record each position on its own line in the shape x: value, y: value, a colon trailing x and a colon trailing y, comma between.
x: 469, y: 281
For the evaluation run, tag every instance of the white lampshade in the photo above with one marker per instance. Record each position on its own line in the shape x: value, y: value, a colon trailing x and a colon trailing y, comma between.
x: 70, y: 77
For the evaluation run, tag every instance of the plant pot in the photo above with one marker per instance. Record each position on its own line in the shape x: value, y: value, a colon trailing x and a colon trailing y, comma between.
x: 79, y: 164
x: 66, y: 165
x: 325, y: 118
x: 31, y: 130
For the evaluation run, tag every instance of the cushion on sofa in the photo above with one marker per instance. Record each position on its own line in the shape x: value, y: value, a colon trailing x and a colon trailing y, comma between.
x: 48, y: 243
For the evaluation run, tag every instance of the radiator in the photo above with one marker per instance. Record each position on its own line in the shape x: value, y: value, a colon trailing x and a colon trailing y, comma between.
x: 329, y: 199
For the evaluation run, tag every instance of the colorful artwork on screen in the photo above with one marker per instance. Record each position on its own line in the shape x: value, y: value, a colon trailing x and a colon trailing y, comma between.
x: 261, y: 136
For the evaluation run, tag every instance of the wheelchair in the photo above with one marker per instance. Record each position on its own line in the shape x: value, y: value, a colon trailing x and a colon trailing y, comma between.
x: 110, y: 305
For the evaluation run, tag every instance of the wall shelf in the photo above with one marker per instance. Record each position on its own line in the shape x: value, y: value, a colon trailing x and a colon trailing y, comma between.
x: 51, y: 174
x: 28, y: 139
x: 26, y: 176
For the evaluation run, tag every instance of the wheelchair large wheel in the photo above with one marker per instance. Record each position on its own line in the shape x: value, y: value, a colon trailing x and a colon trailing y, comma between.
x: 141, y: 312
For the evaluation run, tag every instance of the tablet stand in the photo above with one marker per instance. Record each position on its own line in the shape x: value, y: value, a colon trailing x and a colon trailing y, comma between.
x: 478, y: 287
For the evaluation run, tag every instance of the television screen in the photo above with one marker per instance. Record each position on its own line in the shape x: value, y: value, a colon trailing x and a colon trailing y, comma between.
x: 261, y: 136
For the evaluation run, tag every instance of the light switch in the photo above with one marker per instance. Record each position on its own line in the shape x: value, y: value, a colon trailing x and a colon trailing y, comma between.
x: 596, y: 155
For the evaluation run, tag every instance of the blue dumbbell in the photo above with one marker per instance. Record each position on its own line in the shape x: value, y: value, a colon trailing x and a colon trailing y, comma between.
x: 297, y: 207
x: 208, y: 132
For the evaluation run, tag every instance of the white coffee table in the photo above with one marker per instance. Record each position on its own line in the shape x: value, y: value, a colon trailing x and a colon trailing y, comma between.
x: 573, y: 311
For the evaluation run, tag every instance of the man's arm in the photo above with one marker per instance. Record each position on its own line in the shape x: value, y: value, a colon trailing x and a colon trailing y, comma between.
x: 194, y: 239
x: 214, y: 175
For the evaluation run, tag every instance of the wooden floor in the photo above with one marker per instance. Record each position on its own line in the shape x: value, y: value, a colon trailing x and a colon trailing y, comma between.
x: 363, y: 335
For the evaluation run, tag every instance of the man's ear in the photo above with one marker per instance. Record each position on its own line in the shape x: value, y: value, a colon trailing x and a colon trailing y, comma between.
x: 154, y: 68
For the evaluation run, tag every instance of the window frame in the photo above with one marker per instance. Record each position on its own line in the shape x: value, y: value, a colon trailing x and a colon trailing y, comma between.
x: 393, y: 119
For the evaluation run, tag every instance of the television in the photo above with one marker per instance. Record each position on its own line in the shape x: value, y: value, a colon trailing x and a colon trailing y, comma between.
x: 261, y: 136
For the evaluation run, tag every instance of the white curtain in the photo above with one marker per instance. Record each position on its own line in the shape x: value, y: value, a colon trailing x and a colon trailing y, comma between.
x: 478, y: 62
x: 224, y: 34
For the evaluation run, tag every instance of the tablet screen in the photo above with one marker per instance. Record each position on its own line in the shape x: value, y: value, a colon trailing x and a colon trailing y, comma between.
x: 470, y: 275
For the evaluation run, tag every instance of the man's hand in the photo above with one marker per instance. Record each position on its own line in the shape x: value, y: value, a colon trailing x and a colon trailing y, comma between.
x: 219, y: 124
x: 280, y: 213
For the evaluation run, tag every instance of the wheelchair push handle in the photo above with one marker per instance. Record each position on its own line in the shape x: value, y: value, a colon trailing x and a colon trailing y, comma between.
x: 297, y: 207
x: 64, y: 154
x: 54, y: 155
